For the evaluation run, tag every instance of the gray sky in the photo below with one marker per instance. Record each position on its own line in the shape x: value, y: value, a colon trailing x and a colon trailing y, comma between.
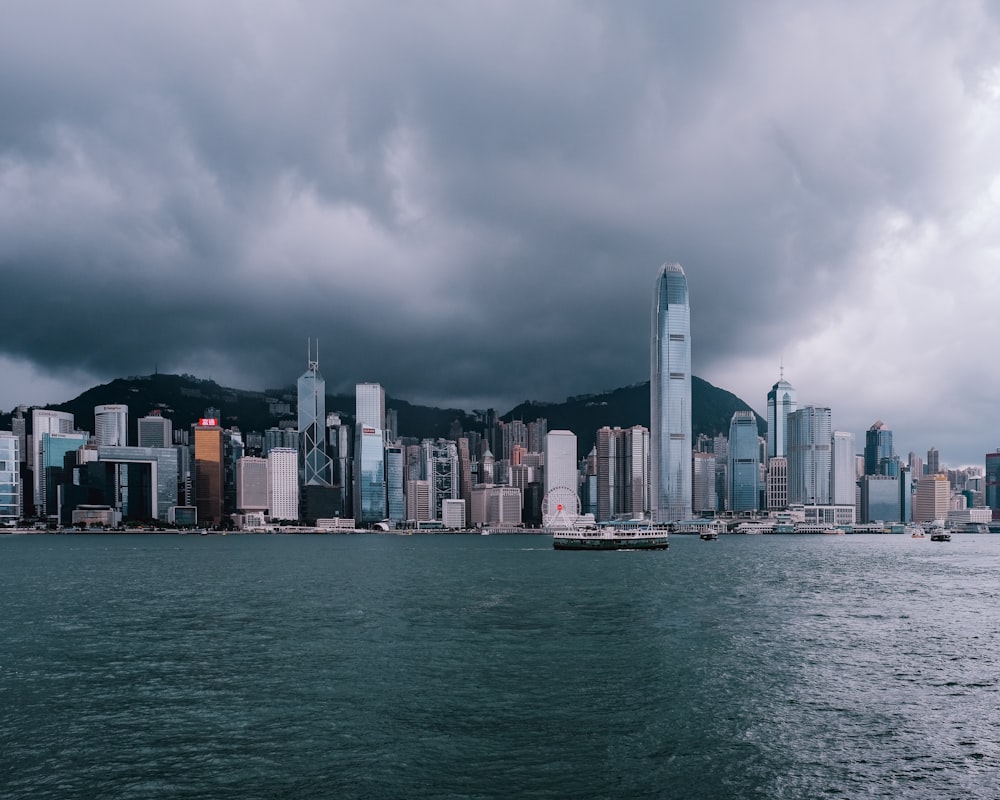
x: 469, y: 201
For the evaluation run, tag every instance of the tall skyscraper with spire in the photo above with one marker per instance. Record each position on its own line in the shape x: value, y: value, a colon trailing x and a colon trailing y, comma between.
x: 670, y: 397
x: 315, y: 466
x: 781, y: 402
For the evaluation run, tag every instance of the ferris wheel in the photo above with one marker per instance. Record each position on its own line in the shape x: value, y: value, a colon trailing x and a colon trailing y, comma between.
x: 560, y: 507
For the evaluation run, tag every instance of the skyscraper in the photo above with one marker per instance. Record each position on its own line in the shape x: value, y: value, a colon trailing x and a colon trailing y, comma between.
x: 10, y: 477
x: 251, y: 484
x: 43, y: 421
x: 809, y: 439
x: 744, y: 462
x: 844, y: 480
x: 670, y: 397
x: 780, y: 403
x: 155, y: 430
x: 282, y: 484
x: 878, y: 448
x: 111, y: 425
x: 561, y: 497
x: 315, y: 467
x: 369, y: 405
x: 208, y: 471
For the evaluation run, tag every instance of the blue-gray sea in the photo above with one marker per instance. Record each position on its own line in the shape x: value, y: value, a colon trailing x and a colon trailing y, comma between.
x: 166, y: 666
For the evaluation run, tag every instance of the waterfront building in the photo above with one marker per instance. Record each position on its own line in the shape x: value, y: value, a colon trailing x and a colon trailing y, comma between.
x: 744, y: 462
x: 561, y: 476
x: 155, y: 430
x: 51, y: 466
x: 418, y: 500
x: 880, y: 499
x: 369, y: 405
x: 781, y: 401
x: 370, y: 496
x: 622, y: 468
x: 453, y: 514
x: 251, y: 484
x: 932, y: 499
x: 843, y: 473
x: 442, y: 471
x: 111, y: 425
x: 395, y: 497
x: 878, y: 448
x: 777, y: 483
x: 991, y: 483
x: 11, y: 496
x: 670, y: 397
x: 809, y: 463
x: 141, y: 482
x: 503, y: 506
x: 315, y: 466
x: 43, y: 421
x: 208, y: 471
x: 283, y: 483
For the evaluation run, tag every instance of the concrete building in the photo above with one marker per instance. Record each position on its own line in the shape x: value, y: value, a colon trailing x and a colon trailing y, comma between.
x: 11, y: 496
x: 453, y: 514
x: 111, y: 425
x: 561, y: 494
x: 251, y: 484
x: 208, y: 471
x: 283, y: 483
x: 155, y: 430
x: 932, y: 500
x: 843, y: 473
x: 418, y: 500
x: 809, y: 458
x: 369, y: 405
x: 777, y: 483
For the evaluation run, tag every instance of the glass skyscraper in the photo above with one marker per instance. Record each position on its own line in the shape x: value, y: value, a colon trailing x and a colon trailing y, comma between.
x: 878, y: 448
x: 810, y: 435
x: 780, y: 403
x: 10, y: 481
x: 315, y: 467
x: 670, y: 397
x: 744, y: 462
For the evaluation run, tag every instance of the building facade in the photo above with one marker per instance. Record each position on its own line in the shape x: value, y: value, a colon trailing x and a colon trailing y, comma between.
x: 10, y: 478
x: 670, y: 397
x: 809, y: 457
x: 283, y: 484
x: 111, y: 425
x: 781, y: 401
x: 744, y: 463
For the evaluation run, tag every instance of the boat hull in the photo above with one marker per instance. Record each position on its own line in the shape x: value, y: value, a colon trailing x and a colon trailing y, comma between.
x: 610, y: 542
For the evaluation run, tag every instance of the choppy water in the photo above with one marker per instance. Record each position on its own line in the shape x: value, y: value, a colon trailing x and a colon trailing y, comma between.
x: 494, y: 667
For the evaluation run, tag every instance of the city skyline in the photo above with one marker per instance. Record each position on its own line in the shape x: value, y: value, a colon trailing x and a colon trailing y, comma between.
x: 428, y: 204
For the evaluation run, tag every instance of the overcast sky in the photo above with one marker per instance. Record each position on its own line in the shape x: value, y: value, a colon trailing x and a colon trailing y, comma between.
x: 469, y: 201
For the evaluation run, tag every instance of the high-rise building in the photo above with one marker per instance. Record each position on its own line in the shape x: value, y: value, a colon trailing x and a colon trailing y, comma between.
x: 155, y: 430
x: 369, y: 404
x: 703, y: 483
x: 622, y: 461
x: 370, y: 495
x: 315, y: 467
x: 932, y: 498
x: 43, y: 421
x: 777, y: 483
x: 19, y: 427
x: 418, y: 500
x: 991, y: 483
x: 251, y: 484
x: 536, y: 435
x: 111, y: 425
x: 10, y: 478
x: 878, y: 448
x: 208, y: 471
x: 670, y: 397
x: 283, y: 483
x: 441, y: 467
x: 809, y: 439
x: 744, y: 462
x: 395, y: 499
x: 933, y: 461
x: 561, y: 497
x: 844, y: 480
x: 781, y: 402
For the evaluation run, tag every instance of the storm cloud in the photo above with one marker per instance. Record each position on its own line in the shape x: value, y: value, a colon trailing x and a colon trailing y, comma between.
x: 469, y: 202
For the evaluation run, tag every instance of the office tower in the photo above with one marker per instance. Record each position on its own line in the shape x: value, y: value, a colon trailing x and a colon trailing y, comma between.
x: 208, y: 471
x: 486, y: 467
x: 281, y: 437
x: 42, y: 422
x: 315, y: 468
x: 503, y: 506
x: 141, y: 483
x: 442, y: 470
x: 418, y: 500
x: 670, y: 397
x: 392, y: 424
x: 809, y: 439
x: 111, y: 425
x: 395, y: 499
x: 155, y: 430
x: 369, y: 400
x: 51, y: 467
x: 991, y: 483
x: 513, y: 434
x: 880, y: 497
x: 369, y: 476
x: 780, y: 403
x: 744, y: 462
x: 720, y: 446
x: 933, y: 462
x: 844, y: 481
x: 932, y: 498
x: 251, y: 484
x: 703, y: 483
x: 453, y: 514
x: 777, y: 483
x: 916, y: 464
x: 561, y: 500
x: 465, y: 474
x: 10, y: 478
x: 283, y: 484
x: 622, y: 458
x: 878, y: 447
x: 18, y: 426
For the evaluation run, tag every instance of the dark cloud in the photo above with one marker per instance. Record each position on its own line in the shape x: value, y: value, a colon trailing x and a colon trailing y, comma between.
x: 467, y: 202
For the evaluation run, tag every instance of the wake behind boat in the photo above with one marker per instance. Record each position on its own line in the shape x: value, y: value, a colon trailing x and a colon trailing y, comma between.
x: 632, y: 535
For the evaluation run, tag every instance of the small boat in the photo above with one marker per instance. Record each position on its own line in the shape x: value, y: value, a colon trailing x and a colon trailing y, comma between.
x: 623, y: 536
x: 708, y: 536
x: 940, y: 537
x: 920, y: 535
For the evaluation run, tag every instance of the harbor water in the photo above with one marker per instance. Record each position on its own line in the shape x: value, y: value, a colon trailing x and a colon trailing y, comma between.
x: 167, y: 666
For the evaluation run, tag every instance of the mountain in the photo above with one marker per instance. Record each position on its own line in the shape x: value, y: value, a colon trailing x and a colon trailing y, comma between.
x: 711, y: 410
x: 185, y: 399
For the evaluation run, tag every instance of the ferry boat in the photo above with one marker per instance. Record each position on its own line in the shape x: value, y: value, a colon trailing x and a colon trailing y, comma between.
x: 940, y: 536
x: 634, y: 535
